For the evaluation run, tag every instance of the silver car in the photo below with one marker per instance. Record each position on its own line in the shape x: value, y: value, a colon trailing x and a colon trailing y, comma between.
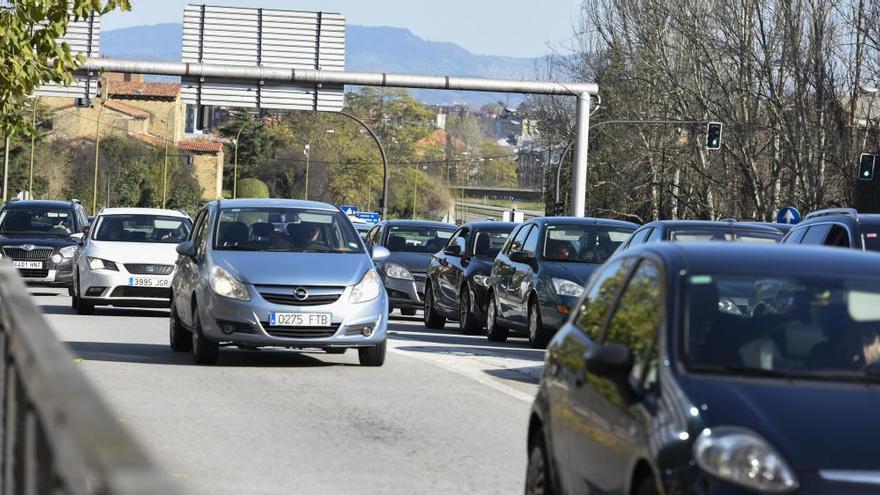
x: 277, y: 273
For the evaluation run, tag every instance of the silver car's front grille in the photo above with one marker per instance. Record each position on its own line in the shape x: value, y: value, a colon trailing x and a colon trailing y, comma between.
x: 301, y: 332
x: 142, y: 269
x: 300, y: 295
x: 35, y: 253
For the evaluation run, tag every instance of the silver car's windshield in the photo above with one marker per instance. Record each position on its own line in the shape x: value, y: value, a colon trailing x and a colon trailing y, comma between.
x: 142, y: 228
x: 285, y: 230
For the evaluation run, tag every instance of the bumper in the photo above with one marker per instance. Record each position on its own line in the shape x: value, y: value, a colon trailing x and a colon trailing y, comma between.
x: 104, y: 287
x: 246, y: 322
x: 405, y: 294
x: 54, y: 275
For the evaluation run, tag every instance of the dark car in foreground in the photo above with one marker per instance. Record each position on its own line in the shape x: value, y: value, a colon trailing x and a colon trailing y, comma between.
x: 412, y: 243
x: 839, y: 227
x: 657, y: 385
x: 41, y: 238
x: 704, y: 230
x: 458, y: 276
x: 539, y: 275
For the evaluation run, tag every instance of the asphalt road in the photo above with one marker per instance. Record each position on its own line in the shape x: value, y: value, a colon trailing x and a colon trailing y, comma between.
x: 446, y: 414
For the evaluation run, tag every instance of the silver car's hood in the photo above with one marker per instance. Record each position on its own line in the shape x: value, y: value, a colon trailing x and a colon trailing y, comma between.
x: 267, y: 268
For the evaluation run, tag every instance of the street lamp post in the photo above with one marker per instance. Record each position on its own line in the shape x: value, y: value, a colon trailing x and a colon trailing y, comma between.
x: 33, y: 144
x: 384, y: 203
x: 306, y: 151
x: 235, y: 164
x: 98, y: 152
x: 165, y: 167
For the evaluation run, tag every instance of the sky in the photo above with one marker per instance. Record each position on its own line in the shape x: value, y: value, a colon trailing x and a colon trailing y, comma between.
x: 518, y: 28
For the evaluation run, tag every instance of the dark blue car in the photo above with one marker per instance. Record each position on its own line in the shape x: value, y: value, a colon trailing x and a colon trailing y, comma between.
x: 715, y: 368
x: 539, y: 275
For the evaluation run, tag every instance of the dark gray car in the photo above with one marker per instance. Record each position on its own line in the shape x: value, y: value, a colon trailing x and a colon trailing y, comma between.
x: 412, y: 244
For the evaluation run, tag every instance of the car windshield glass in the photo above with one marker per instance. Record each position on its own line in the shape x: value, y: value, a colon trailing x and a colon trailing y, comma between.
x: 36, y: 221
x: 821, y: 328
x: 285, y: 230
x: 583, y: 243
x: 871, y: 240
x: 488, y: 243
x: 700, y: 235
x: 142, y: 228
x: 414, y: 239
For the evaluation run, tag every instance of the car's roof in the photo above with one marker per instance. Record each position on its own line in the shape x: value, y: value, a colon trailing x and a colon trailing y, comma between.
x: 725, y: 224
x: 491, y: 225
x: 142, y: 211
x: 275, y: 203
x: 583, y: 221
x: 38, y: 203
x: 420, y: 223
x: 773, y: 259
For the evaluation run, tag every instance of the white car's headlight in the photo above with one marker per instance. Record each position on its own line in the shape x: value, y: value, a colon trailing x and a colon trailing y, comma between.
x: 99, y: 264
x: 482, y: 280
x: 68, y: 251
x: 565, y: 287
x: 367, y: 289
x: 224, y: 284
x: 394, y: 270
x: 742, y: 457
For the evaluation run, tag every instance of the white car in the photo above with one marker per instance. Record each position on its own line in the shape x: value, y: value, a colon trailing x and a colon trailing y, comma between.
x: 128, y: 258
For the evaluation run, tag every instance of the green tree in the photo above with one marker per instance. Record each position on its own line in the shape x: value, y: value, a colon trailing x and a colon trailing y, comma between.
x: 256, y: 147
x: 31, y: 55
x: 252, y: 188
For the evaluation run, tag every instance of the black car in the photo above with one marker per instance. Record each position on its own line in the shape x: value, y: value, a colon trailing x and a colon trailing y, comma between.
x: 539, y: 275
x: 458, y: 276
x: 664, y: 381
x: 412, y: 243
x: 846, y: 228
x: 41, y: 239
x: 704, y: 230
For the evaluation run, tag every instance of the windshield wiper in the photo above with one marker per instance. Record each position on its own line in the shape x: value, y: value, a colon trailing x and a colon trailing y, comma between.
x: 871, y: 375
x: 237, y: 248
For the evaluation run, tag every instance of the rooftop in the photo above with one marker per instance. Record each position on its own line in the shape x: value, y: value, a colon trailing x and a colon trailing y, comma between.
x: 200, y: 145
x: 126, y: 109
x: 143, y: 89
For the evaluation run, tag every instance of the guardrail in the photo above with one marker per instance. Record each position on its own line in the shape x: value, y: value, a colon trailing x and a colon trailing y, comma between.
x: 57, y: 435
x: 476, y: 212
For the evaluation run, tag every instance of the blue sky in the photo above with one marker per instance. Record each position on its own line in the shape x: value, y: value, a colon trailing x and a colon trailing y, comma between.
x: 521, y: 28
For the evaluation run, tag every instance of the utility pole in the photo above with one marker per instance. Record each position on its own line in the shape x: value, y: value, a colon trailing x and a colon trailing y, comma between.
x: 6, y: 170
x: 33, y: 144
x: 306, y: 151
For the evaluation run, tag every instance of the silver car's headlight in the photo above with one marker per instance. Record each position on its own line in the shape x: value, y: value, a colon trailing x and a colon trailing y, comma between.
x: 367, y: 289
x: 565, y: 287
x: 99, y: 264
x: 68, y: 251
x: 742, y: 457
x: 393, y: 270
x: 224, y: 284
x: 482, y: 280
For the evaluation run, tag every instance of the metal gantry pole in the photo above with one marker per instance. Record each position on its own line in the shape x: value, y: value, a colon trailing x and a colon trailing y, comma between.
x: 6, y: 170
x: 579, y: 170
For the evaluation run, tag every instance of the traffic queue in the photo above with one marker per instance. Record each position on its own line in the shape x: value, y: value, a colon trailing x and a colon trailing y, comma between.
x: 682, y: 356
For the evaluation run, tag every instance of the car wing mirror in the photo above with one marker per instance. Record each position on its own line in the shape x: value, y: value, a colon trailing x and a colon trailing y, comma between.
x: 614, y: 362
x: 187, y: 249
x: 453, y: 250
x: 78, y: 237
x: 520, y: 257
x: 379, y: 253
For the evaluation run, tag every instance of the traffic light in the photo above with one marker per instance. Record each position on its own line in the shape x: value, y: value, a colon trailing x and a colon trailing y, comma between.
x: 867, y: 162
x: 713, y: 136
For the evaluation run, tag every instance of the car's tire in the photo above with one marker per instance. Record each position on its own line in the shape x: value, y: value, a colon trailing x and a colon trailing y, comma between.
x: 83, y: 307
x: 467, y: 322
x: 408, y: 312
x: 178, y: 337
x: 71, y: 291
x: 430, y: 316
x: 538, y: 479
x: 494, y: 331
x: 335, y: 350
x: 74, y: 302
x: 539, y: 337
x: 373, y: 355
x: 203, y: 350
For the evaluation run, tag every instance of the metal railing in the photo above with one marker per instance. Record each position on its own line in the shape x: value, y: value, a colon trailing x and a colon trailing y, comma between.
x: 57, y: 435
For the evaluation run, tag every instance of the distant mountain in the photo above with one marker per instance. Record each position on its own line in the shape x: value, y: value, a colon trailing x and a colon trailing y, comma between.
x: 369, y: 49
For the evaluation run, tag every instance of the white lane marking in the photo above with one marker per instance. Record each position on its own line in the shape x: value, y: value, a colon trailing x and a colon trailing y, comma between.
x: 472, y: 364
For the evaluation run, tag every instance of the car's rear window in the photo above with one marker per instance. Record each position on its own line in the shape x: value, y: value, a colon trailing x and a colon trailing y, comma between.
x: 820, y: 327
x: 704, y: 234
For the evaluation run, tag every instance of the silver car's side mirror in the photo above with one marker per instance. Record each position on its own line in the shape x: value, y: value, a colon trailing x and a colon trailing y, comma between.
x: 379, y: 253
